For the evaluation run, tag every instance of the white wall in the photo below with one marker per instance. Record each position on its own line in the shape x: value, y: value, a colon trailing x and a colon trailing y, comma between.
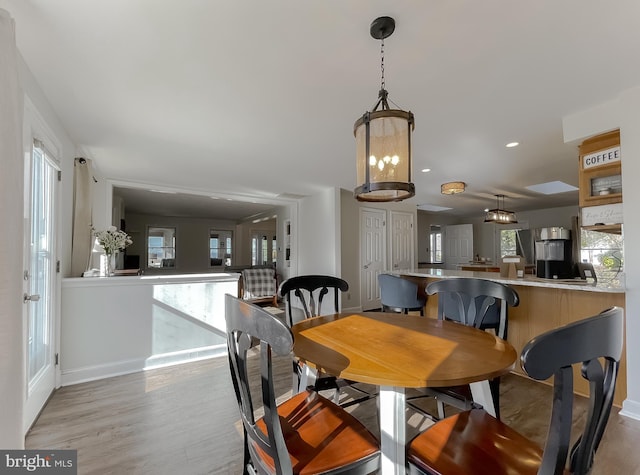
x: 12, y: 375
x: 192, y: 240
x: 485, y: 242
x: 318, y: 234
x: 286, y: 214
x: 13, y: 343
x: 245, y: 232
x: 622, y: 112
x: 349, y: 239
x: 485, y: 234
x: 124, y: 324
x: 425, y: 221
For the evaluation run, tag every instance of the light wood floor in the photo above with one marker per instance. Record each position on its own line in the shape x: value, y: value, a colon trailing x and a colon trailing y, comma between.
x: 184, y: 420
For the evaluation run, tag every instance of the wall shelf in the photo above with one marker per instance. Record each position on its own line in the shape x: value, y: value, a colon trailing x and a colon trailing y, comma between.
x: 602, y: 183
x: 600, y: 177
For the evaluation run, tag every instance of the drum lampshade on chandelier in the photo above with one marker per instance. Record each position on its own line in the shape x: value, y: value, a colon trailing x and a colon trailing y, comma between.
x: 383, y: 141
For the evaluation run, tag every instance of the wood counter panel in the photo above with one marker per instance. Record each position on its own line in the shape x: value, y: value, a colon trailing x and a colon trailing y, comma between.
x: 542, y: 309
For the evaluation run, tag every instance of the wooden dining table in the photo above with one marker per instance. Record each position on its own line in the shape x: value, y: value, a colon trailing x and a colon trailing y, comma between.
x: 396, y: 352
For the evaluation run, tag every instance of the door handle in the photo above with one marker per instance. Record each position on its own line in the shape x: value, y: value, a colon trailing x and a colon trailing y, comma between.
x: 366, y: 266
x: 33, y: 298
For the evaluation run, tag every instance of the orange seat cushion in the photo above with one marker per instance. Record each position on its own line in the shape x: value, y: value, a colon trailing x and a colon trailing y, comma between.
x: 320, y: 435
x: 473, y: 442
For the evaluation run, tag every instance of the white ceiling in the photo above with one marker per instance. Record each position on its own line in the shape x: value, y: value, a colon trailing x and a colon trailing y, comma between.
x: 259, y: 97
x: 188, y: 205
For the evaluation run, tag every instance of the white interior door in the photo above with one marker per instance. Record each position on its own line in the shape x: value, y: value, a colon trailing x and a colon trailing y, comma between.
x: 40, y: 282
x: 372, y: 255
x: 458, y: 245
x: 402, y: 248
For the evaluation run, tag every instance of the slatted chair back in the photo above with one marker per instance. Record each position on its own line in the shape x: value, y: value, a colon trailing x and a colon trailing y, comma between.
x: 475, y: 302
x: 553, y: 354
x: 472, y: 441
x: 399, y: 295
x: 247, y: 326
x: 306, y: 433
x: 310, y: 291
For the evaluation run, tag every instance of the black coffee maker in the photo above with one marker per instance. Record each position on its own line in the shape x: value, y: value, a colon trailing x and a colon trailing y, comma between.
x: 553, y: 253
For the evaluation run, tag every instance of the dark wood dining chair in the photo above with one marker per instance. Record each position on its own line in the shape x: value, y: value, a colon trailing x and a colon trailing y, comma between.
x: 480, y: 303
x: 303, y: 296
x: 309, y: 292
x: 306, y: 434
x: 400, y: 295
x: 473, y: 442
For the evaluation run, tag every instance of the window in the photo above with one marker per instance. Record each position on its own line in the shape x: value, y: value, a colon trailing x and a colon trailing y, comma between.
x: 603, y: 251
x: 508, y: 240
x: 435, y: 244
x: 258, y: 249
x: 263, y: 250
x: 161, y: 247
x: 220, y: 247
x: 274, y: 250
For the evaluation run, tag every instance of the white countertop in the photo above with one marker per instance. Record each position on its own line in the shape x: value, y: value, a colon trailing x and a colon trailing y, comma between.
x: 615, y: 286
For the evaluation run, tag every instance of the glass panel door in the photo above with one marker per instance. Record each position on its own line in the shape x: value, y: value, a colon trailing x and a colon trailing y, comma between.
x: 41, y: 284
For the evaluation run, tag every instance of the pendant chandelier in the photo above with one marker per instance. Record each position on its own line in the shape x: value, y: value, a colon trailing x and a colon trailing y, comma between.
x: 500, y: 215
x: 383, y: 141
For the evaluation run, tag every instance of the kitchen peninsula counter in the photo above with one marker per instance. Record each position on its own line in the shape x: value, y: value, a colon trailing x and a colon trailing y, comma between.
x: 528, y: 280
x: 544, y: 304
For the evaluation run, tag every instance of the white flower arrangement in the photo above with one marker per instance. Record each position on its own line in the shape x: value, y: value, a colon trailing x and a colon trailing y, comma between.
x: 112, y: 240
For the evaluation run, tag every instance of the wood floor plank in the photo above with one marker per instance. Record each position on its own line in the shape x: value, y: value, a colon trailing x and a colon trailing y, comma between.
x: 184, y: 420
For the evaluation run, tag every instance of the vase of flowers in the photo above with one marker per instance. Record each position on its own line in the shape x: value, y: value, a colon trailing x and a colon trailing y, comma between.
x: 112, y: 241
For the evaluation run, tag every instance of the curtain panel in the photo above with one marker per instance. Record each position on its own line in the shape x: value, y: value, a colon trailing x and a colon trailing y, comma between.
x: 82, y: 240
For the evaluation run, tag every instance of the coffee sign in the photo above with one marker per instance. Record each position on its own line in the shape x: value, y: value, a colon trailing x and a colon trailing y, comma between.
x: 601, y: 157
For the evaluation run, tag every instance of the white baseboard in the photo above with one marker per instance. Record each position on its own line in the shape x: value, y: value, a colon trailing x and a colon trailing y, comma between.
x: 630, y: 409
x: 92, y: 373
x: 179, y: 357
x: 351, y: 309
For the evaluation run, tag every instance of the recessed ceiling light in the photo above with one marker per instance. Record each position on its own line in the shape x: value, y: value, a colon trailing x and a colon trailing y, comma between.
x: 512, y: 144
x: 426, y: 170
x: 552, y: 187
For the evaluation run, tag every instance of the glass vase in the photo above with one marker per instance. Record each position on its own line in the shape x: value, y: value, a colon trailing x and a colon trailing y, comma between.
x: 110, y: 264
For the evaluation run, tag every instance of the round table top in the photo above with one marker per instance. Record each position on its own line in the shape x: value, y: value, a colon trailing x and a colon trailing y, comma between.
x: 391, y: 349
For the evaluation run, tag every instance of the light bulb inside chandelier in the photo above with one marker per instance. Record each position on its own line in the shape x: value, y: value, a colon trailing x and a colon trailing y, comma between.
x: 383, y: 141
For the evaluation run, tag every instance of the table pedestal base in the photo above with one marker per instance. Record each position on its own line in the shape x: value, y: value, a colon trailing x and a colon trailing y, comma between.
x: 392, y: 430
